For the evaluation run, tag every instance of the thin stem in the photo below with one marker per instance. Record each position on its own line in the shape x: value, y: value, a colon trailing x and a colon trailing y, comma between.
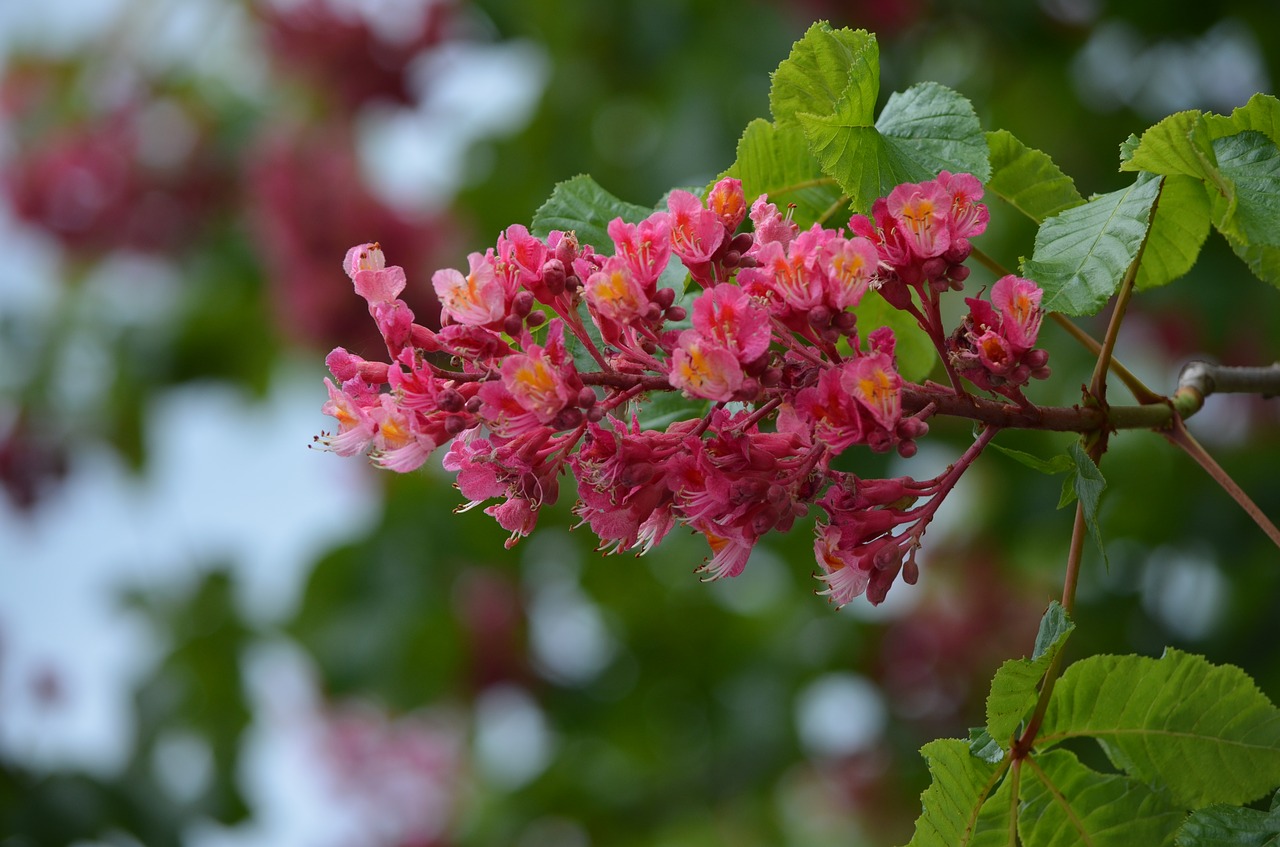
x: 1178, y: 434
x: 1098, y: 385
x: 1022, y: 746
x: 1015, y: 781
x: 1136, y: 387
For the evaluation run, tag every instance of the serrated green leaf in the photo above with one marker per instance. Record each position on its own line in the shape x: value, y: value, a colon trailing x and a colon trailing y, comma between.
x: 1175, y: 145
x: 1231, y: 826
x: 936, y: 129
x: 582, y: 206
x: 961, y: 785
x: 1238, y: 161
x: 921, y: 131
x: 1027, y: 179
x: 775, y: 160
x: 1250, y: 216
x: 1065, y: 804
x: 1205, y: 731
x: 1261, y: 114
x: 1058, y: 464
x: 1178, y: 230
x: 1082, y: 254
x: 1014, y: 689
x: 825, y: 67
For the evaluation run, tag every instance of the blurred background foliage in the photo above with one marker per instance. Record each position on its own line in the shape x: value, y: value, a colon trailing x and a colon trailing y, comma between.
x: 436, y: 688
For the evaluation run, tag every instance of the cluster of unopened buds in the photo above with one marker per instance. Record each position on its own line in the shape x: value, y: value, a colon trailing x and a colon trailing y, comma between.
x: 547, y: 346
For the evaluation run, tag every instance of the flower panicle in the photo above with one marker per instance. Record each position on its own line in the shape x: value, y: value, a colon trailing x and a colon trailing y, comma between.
x: 542, y: 344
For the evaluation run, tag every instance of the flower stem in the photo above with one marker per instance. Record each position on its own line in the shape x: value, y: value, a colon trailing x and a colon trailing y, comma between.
x: 1022, y: 746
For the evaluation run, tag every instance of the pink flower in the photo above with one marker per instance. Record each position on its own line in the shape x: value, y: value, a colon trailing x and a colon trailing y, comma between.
x: 726, y: 315
x: 645, y: 247
x: 874, y: 382
x: 477, y: 299
x: 616, y: 293
x: 702, y: 367
x: 1019, y: 303
x: 398, y: 444
x: 851, y: 267
x: 922, y: 215
x: 536, y: 384
x: 696, y: 231
x: 770, y: 225
x: 968, y: 217
x: 993, y: 346
x: 726, y: 200
x: 355, y: 426
x: 521, y: 256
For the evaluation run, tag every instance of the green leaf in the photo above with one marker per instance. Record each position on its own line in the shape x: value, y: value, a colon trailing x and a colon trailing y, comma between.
x: 826, y: 67
x: 1058, y: 464
x: 775, y: 160
x: 1065, y: 804
x: 1231, y: 826
x: 582, y: 206
x: 1250, y: 216
x: 1178, y: 230
x: 915, y: 352
x: 1205, y: 731
x: 961, y: 785
x: 663, y: 408
x: 1176, y: 145
x: 1082, y: 254
x: 921, y: 131
x: 1261, y: 114
x: 982, y: 745
x: 936, y: 129
x: 1027, y: 179
x: 1014, y: 689
x: 1238, y: 161
x: 1085, y: 483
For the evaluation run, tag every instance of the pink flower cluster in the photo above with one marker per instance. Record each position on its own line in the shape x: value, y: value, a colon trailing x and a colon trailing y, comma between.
x: 994, y: 347
x: 545, y: 343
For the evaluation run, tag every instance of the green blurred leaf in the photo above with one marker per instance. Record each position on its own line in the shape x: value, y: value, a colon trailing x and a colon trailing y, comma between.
x: 1015, y: 687
x: 775, y: 160
x: 1203, y: 730
x: 1065, y: 803
x: 1058, y: 464
x: 662, y: 408
x: 582, y: 206
x: 1231, y: 826
x: 1027, y: 179
x: 926, y: 129
x: 826, y: 67
x: 1178, y: 230
x: 1082, y: 254
x: 952, y: 804
x: 915, y: 352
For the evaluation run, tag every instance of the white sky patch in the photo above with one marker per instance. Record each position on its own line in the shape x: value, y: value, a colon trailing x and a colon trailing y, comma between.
x: 839, y: 714
x: 228, y: 483
x: 415, y: 158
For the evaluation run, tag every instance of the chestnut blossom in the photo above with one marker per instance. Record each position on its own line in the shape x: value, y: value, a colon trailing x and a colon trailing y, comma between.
x: 546, y: 343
